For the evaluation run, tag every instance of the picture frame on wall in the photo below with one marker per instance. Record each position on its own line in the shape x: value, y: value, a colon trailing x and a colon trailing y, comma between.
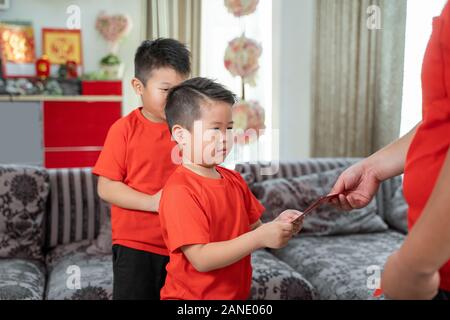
x: 17, y: 49
x: 62, y: 45
x: 4, y: 4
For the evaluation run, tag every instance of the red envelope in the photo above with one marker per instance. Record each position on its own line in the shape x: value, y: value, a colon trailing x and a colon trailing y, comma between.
x: 316, y: 204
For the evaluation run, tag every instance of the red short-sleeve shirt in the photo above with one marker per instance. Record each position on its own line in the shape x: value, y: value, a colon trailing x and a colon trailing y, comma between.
x: 432, y: 139
x: 138, y: 153
x: 199, y: 210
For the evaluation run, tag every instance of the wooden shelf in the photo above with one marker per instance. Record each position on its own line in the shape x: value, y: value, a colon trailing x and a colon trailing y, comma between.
x: 60, y: 98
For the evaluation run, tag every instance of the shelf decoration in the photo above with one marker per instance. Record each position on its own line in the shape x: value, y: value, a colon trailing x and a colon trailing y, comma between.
x: 62, y: 46
x: 17, y: 49
x: 113, y: 28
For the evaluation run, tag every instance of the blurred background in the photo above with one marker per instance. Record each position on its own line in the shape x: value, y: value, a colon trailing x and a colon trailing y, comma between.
x: 323, y: 78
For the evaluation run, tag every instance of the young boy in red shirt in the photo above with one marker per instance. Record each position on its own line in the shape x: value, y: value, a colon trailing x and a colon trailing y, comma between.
x: 134, y: 165
x: 209, y: 217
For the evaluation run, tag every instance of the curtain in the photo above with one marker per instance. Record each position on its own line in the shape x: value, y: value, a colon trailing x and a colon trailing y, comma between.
x: 358, y: 76
x: 177, y: 19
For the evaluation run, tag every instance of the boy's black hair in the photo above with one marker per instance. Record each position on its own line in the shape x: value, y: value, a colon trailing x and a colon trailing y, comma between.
x: 183, y: 101
x: 160, y: 53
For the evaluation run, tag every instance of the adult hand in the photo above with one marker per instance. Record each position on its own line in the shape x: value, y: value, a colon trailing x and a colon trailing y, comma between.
x: 356, y: 187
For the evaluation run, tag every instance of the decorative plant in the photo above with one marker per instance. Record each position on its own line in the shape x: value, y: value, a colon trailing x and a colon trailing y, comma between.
x: 110, y: 60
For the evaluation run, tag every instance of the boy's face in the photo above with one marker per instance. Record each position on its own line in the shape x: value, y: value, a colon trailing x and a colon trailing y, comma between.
x: 154, y: 93
x: 211, y: 138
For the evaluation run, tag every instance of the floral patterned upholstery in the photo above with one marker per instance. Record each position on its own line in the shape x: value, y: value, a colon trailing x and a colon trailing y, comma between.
x: 337, y: 265
x: 23, y: 196
x: 21, y: 279
x: 95, y: 273
x: 275, y: 280
x: 272, y: 278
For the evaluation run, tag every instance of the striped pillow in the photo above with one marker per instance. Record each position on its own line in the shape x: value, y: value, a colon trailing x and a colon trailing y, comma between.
x: 75, y: 212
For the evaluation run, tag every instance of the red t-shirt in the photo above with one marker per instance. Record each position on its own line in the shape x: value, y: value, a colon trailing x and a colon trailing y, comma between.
x: 199, y: 210
x: 432, y: 140
x: 137, y: 152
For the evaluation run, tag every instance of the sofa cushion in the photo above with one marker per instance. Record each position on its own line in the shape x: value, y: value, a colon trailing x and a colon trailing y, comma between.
x: 23, y: 196
x: 21, y: 279
x: 297, y: 193
x: 103, y: 243
x: 272, y: 278
x: 337, y: 266
x: 95, y: 273
x: 395, y: 208
x: 275, y: 280
x: 75, y: 210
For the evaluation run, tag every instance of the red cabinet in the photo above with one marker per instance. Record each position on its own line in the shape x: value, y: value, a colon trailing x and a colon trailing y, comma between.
x: 75, y: 130
x: 59, y: 131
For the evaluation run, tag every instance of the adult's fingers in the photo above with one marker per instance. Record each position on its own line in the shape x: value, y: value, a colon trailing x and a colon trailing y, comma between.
x: 339, y: 186
x: 345, y: 205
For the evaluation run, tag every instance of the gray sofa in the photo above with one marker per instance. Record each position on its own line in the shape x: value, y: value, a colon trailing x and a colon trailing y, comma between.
x: 345, y: 264
x: 55, y: 241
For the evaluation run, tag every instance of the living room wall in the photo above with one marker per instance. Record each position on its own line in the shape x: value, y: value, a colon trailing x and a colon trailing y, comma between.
x: 50, y: 13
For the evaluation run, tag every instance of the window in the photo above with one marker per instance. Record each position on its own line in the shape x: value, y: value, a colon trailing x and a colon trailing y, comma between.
x: 418, y: 30
x: 219, y: 28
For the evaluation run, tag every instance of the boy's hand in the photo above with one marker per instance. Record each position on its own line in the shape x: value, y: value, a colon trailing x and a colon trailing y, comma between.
x: 292, y: 216
x: 275, y: 234
x: 153, y: 201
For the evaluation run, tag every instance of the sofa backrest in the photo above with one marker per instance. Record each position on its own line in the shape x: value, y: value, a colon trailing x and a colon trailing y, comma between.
x: 74, y: 210
x: 252, y: 173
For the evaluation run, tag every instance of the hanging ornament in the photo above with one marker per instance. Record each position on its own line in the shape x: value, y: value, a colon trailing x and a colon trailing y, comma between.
x: 241, y: 8
x: 242, y: 59
x: 249, y: 119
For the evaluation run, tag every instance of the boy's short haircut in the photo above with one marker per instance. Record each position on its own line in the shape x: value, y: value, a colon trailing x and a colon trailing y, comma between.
x: 161, y: 53
x: 183, y: 101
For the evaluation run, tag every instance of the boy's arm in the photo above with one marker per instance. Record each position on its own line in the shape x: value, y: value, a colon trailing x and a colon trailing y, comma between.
x: 216, y: 255
x: 121, y: 195
x: 256, y: 225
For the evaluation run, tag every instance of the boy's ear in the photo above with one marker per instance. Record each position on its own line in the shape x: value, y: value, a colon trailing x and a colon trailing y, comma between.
x: 179, y: 134
x: 138, y: 86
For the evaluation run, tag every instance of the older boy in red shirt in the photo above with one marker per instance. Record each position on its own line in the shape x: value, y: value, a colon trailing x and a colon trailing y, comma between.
x: 134, y: 165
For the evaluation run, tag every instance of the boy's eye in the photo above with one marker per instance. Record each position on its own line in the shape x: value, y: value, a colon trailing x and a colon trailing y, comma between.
x: 165, y: 90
